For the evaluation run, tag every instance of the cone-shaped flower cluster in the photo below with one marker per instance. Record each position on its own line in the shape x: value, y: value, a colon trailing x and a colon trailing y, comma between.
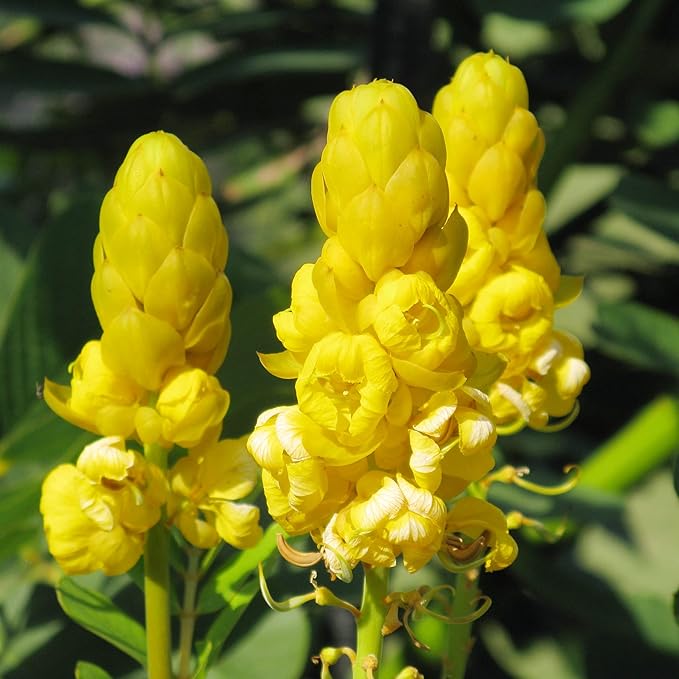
x: 509, y: 282
x: 163, y: 302
x: 387, y: 425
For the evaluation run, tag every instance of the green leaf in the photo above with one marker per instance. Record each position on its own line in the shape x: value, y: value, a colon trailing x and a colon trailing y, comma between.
x: 639, y: 335
x: 23, y: 645
x: 99, y: 615
x: 579, y: 188
x: 649, y: 202
x: 235, y: 585
x: 51, y: 315
x: 238, y: 68
x: 596, y: 11
x: 286, y: 638
x: 659, y: 124
x: 87, y: 670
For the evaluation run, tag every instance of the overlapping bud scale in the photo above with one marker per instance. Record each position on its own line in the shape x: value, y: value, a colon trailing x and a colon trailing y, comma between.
x: 509, y: 281
x: 386, y: 428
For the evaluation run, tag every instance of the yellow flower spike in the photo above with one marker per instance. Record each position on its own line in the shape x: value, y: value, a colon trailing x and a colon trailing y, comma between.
x: 381, y: 173
x: 96, y: 514
x: 321, y: 595
x: 98, y: 399
x: 161, y: 252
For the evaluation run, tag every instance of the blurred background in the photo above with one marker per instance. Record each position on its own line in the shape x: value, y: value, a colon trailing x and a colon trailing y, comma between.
x: 247, y: 85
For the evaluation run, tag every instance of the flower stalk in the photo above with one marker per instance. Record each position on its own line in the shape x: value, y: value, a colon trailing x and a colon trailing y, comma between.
x: 187, y: 617
x: 459, y: 636
x: 369, y: 625
x: 157, y: 588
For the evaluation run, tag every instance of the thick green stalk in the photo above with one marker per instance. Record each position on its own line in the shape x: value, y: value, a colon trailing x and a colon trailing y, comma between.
x: 640, y: 446
x: 459, y: 636
x: 188, y: 614
x: 369, y: 625
x: 157, y: 589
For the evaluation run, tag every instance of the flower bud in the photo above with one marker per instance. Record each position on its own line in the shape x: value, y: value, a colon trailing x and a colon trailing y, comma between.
x: 381, y: 182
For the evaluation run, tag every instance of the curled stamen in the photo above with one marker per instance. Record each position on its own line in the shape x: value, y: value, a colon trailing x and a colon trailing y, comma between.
x: 563, y: 423
x: 440, y: 331
x: 516, y: 520
x: 294, y: 556
x: 321, y: 595
x: 346, y: 573
x: 462, y: 552
x: 562, y: 488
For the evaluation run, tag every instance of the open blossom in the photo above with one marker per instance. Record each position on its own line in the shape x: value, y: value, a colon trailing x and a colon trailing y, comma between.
x: 205, y: 486
x: 96, y: 513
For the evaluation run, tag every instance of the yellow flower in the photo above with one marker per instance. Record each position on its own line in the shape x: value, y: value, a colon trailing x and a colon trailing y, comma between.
x: 420, y: 327
x: 452, y: 440
x: 96, y: 513
x: 345, y: 386
x: 389, y: 517
x: 98, y: 399
x: 381, y: 182
x: 189, y: 410
x: 205, y: 485
x: 512, y: 313
x: 471, y: 516
x: 161, y: 252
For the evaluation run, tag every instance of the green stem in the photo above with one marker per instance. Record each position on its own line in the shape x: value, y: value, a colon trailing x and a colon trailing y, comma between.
x: 369, y: 625
x: 157, y: 588
x: 649, y: 438
x: 459, y: 641
x: 188, y: 614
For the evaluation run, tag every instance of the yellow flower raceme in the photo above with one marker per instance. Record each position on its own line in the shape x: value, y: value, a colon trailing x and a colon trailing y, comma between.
x: 509, y: 279
x: 205, y: 485
x: 471, y: 516
x: 380, y: 184
x: 159, y: 261
x: 96, y: 513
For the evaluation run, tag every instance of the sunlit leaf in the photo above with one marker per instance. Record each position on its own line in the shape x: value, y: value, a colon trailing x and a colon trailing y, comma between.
x: 87, y: 670
x: 23, y: 645
x: 286, y: 638
x: 98, y: 614
x: 659, y: 124
x: 555, y: 12
x: 650, y: 202
x: 578, y: 189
